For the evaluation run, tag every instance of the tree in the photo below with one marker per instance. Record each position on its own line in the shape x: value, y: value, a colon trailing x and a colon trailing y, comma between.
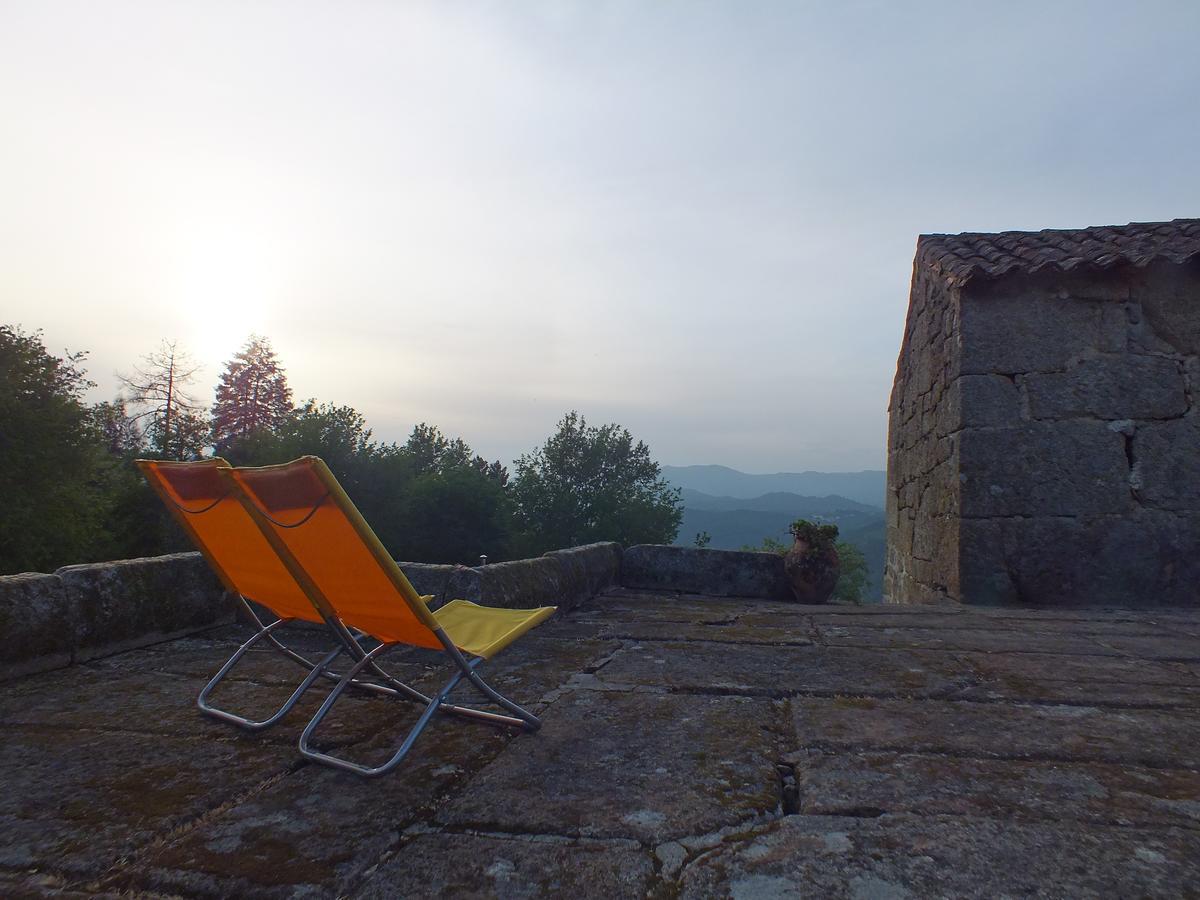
x: 158, y: 392
x: 590, y: 483
x: 432, y: 451
x: 854, y: 577
x: 49, y: 448
x: 453, y: 517
x: 253, y: 394
x: 118, y: 430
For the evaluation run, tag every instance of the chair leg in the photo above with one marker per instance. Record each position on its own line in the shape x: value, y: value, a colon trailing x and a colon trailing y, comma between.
x: 316, y: 671
x: 466, y: 668
x: 369, y: 771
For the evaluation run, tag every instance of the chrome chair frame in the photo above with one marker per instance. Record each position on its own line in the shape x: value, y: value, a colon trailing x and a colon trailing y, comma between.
x: 316, y: 670
x: 466, y: 668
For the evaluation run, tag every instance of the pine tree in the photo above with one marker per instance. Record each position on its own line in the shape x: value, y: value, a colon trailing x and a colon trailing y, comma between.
x: 253, y: 394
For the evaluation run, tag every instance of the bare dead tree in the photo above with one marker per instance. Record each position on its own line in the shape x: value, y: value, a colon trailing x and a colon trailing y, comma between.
x: 157, y: 390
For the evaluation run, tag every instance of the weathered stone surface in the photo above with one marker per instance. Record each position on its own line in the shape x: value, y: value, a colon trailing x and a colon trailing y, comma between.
x: 1010, y: 332
x: 429, y: 579
x: 1084, y: 560
x: 562, y: 578
x: 729, y: 631
x: 1044, y: 469
x: 986, y: 640
x: 317, y: 831
x: 586, y: 571
x: 986, y: 401
x: 38, y: 622
x: 721, y: 573
x: 1055, y: 667
x: 834, y: 784
x: 1124, y: 386
x: 1166, y: 469
x: 780, y: 670
x: 643, y: 766
x: 154, y: 702
x: 946, y: 856
x: 519, y: 584
x: 456, y: 865
x: 136, y: 601
x: 677, y: 755
x: 624, y: 605
x: 1141, y: 737
x: 78, y: 806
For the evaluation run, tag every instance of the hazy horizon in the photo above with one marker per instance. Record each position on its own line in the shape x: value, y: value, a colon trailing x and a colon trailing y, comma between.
x: 696, y: 220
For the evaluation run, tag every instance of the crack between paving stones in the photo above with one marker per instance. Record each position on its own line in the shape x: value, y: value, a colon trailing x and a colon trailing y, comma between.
x: 978, y: 756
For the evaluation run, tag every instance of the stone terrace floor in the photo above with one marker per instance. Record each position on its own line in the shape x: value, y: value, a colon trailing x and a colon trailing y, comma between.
x: 691, y: 747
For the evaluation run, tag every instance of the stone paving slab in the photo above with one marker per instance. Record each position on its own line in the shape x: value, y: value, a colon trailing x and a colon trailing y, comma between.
x: 155, y: 703
x: 1115, y: 694
x: 1007, y: 640
x: 1162, y: 738
x: 79, y: 805
x: 779, y: 671
x: 690, y: 746
x: 730, y: 631
x: 318, y: 831
x: 644, y: 766
x: 513, y: 866
x: 914, y: 857
x: 1028, y: 667
x: 868, y: 783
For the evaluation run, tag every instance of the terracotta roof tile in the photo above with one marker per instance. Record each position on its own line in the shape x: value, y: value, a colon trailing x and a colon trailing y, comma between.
x: 959, y: 257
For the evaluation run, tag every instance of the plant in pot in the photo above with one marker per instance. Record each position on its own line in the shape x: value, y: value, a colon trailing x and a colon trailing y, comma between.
x: 812, y: 564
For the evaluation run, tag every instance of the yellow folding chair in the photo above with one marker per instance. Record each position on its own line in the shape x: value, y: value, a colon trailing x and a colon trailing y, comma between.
x: 204, y: 505
x: 335, y: 557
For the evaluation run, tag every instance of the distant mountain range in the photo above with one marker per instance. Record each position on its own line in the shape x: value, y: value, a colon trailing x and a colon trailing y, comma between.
x: 737, y: 517
x: 721, y: 481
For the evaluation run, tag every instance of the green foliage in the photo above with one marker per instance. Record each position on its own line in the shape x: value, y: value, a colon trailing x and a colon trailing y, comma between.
x: 703, y: 539
x: 854, y: 577
x: 252, y: 395
x: 72, y: 493
x: 589, y: 483
x: 453, y: 517
x: 769, y: 545
x: 430, y: 500
x: 50, y: 450
x: 818, y: 537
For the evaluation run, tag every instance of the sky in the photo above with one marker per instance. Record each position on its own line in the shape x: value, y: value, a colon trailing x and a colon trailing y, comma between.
x: 694, y: 219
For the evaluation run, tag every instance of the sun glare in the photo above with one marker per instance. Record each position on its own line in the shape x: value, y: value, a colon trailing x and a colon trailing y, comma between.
x: 226, y: 290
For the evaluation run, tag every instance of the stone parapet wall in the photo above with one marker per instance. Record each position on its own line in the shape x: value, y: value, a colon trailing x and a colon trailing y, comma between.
x: 82, y: 612
x: 718, y: 573
x: 78, y: 613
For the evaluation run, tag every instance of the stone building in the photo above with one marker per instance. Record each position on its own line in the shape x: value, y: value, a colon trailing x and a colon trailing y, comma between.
x: 1044, y: 435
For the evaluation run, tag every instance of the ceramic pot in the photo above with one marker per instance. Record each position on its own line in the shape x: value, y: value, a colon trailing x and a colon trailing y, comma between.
x: 812, y: 580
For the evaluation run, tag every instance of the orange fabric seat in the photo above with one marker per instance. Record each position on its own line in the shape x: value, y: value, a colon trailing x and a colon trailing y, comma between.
x: 204, y: 505
x: 331, y: 551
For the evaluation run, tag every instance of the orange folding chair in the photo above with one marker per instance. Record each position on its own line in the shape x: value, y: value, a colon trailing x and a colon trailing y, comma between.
x: 339, y: 563
x: 204, y: 505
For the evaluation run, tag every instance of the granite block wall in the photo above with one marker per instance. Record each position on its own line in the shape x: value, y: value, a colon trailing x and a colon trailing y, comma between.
x: 1071, y: 455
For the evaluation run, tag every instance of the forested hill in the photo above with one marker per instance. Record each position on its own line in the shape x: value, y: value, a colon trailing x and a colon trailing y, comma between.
x: 866, y: 487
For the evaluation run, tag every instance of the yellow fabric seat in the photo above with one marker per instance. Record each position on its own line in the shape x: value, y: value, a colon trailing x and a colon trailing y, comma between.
x: 485, y: 630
